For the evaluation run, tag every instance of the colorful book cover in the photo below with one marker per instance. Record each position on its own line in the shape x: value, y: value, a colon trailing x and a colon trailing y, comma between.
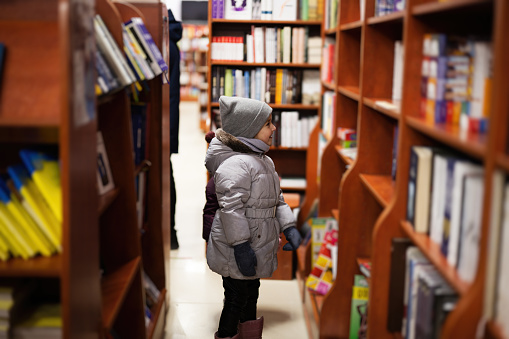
x: 358, y: 311
x: 152, y: 45
x: 321, y: 277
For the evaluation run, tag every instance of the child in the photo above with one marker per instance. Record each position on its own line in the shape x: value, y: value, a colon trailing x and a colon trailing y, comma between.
x: 211, y: 204
x: 252, y: 213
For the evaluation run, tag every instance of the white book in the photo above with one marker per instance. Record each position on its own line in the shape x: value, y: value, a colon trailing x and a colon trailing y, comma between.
x: 249, y: 48
x: 482, y: 65
x: 397, y: 75
x: 109, y: 51
x: 470, y: 233
x: 259, y: 51
x: 253, y: 84
x: 263, y: 83
x: 287, y: 44
x: 284, y: 10
x: 436, y: 222
x: 461, y: 169
x: 238, y: 9
x: 266, y: 10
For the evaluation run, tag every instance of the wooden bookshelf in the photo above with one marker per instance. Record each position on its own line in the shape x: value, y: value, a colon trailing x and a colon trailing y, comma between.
x: 371, y: 207
x: 48, y: 103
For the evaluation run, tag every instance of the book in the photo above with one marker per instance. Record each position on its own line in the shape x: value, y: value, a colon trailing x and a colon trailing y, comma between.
x: 320, y: 279
x: 470, y: 226
x: 137, y: 35
x: 365, y: 266
x: 16, y: 213
x: 419, y: 179
x: 414, y: 260
x: 138, y: 124
x: 397, y: 273
x: 452, y: 223
x: 112, y: 52
x: 41, y: 321
x: 284, y: 10
x: 238, y: 9
x: 105, y: 181
x: 152, y: 47
x: 44, y: 168
x: 359, y: 306
x: 39, y: 208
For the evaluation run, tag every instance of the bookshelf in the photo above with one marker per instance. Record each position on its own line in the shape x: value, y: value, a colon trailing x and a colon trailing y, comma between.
x: 290, y: 161
x: 369, y: 205
x: 47, y: 104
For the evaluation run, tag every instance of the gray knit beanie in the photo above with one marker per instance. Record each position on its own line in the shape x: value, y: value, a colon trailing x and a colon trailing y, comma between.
x: 242, y: 117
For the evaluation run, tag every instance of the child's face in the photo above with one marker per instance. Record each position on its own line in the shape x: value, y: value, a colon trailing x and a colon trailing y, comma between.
x: 265, y: 133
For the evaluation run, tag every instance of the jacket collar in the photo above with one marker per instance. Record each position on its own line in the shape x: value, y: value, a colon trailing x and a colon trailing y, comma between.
x: 235, y: 144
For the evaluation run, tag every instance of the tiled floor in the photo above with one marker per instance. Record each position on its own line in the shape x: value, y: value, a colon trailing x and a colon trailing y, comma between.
x: 196, y: 293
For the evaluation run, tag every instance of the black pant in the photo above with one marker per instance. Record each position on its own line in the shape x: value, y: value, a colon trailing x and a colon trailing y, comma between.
x: 173, y: 204
x: 240, y: 298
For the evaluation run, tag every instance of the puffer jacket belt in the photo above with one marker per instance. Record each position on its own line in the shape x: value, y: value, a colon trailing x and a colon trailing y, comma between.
x: 261, y: 212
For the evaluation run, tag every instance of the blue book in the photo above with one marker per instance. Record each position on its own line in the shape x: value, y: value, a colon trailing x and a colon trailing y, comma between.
x: 139, y: 130
x: 151, y: 44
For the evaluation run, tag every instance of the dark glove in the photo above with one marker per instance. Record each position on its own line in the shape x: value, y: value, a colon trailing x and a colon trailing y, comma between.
x: 293, y: 237
x: 245, y: 258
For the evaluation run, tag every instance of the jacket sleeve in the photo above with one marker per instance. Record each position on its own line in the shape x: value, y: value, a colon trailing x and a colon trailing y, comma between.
x: 233, y: 188
x: 284, y: 214
x: 210, y: 208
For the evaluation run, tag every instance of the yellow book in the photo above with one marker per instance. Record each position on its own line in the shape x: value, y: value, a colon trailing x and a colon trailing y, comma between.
x: 13, y: 245
x: 45, y: 172
x: 4, y: 249
x: 26, y: 246
x: 51, y: 227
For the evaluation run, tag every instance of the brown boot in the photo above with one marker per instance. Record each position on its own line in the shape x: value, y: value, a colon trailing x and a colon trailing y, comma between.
x: 251, y: 329
x: 236, y: 336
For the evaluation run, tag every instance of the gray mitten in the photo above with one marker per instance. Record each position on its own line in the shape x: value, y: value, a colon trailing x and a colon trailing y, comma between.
x: 293, y: 237
x: 245, y: 258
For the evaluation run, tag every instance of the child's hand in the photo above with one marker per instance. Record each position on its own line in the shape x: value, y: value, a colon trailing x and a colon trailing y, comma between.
x: 245, y: 258
x: 293, y: 237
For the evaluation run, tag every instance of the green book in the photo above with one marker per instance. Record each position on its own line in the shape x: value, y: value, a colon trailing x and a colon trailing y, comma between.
x: 358, y: 311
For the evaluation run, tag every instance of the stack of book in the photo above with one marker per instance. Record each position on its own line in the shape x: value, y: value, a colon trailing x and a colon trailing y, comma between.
x: 44, y: 321
x: 280, y: 10
x: 139, y: 58
x: 456, y: 81
x: 31, y: 207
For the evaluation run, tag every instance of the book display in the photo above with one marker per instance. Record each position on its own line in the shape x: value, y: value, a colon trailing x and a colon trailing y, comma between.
x: 66, y: 145
x: 421, y: 83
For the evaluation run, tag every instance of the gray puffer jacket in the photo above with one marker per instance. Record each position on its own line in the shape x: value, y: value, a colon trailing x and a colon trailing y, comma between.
x: 251, y: 207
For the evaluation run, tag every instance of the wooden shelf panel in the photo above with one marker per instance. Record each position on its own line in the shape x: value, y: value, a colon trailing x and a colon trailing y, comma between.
x: 329, y: 85
x: 158, y: 311
x: 351, y: 25
x: 378, y: 105
x: 346, y: 160
x: 268, y: 22
x: 107, y: 199
x: 396, y: 17
x: 447, y: 6
x: 282, y: 106
x: 115, y: 287
x: 381, y: 186
x: 432, y: 251
x: 330, y: 31
x: 474, y: 144
x: 35, y: 267
x: 494, y: 331
x: 292, y: 199
x: 317, y: 303
x: 351, y: 92
x: 502, y: 161
x: 31, y: 81
x: 293, y: 188
x: 262, y: 64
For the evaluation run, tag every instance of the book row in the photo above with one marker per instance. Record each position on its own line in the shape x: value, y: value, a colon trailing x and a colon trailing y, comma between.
x: 139, y: 58
x: 269, y: 44
x: 444, y: 191
x: 280, y: 10
x: 456, y: 81
x: 31, y: 207
x: 277, y: 86
x: 385, y: 7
